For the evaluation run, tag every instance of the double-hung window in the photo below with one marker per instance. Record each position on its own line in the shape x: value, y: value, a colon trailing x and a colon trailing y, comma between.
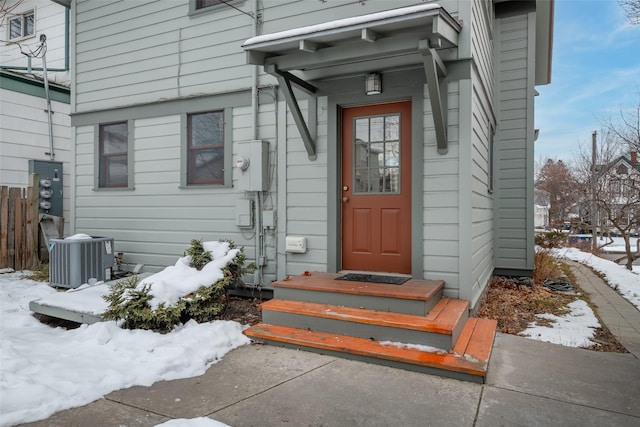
x: 113, y: 155
x: 22, y: 26
x: 205, y: 148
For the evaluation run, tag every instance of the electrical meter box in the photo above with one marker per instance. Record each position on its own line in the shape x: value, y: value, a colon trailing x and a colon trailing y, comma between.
x: 251, y: 161
x: 50, y: 186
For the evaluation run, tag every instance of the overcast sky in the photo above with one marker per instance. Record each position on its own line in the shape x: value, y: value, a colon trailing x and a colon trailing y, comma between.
x: 595, y: 73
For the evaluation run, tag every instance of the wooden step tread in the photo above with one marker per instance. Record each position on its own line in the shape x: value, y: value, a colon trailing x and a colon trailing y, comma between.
x: 437, y: 359
x: 449, y: 312
x: 325, y: 282
x: 476, y: 338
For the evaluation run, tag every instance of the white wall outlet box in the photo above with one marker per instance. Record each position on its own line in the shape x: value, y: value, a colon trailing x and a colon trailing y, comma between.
x: 296, y: 244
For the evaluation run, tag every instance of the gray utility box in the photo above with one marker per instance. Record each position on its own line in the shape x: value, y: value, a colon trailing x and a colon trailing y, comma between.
x: 73, y: 262
x: 50, y: 186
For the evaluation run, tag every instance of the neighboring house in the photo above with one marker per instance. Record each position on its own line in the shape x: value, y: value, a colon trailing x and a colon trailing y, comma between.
x: 27, y: 131
x: 619, y: 192
x: 251, y: 121
x: 542, y: 204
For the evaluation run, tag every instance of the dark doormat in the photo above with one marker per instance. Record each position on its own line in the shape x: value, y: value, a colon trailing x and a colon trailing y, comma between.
x: 374, y: 278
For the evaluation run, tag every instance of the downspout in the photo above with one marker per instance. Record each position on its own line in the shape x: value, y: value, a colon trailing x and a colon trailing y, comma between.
x: 258, y: 194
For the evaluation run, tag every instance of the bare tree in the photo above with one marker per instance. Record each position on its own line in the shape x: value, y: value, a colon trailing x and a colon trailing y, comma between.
x: 616, y: 191
x: 632, y: 10
x: 557, y: 179
x: 6, y: 9
x: 626, y: 126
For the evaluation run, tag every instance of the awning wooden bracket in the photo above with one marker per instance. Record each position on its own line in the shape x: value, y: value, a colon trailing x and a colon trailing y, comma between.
x: 435, y: 72
x: 307, y: 129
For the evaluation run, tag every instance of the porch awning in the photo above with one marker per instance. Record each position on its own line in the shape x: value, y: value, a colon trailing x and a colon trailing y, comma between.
x: 377, y: 41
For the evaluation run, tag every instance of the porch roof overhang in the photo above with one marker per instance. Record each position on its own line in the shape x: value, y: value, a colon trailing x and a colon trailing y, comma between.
x: 394, y: 38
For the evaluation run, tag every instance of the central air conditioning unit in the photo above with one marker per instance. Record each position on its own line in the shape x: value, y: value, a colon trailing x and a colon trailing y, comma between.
x: 72, y: 262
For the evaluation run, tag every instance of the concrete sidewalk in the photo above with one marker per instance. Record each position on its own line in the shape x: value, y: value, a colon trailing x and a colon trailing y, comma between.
x: 620, y: 316
x: 529, y: 383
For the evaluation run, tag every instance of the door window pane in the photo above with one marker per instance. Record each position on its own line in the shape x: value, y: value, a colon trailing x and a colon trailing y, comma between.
x: 376, y: 167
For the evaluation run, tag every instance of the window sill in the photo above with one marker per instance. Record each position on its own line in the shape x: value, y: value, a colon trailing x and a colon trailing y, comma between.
x: 113, y: 188
x: 204, y: 186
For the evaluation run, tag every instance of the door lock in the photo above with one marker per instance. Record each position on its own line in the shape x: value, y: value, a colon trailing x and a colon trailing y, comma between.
x: 345, y: 188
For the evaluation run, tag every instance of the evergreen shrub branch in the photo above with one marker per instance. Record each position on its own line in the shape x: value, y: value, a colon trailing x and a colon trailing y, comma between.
x: 131, y: 305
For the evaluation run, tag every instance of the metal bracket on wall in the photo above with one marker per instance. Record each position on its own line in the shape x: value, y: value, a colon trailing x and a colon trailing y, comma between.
x: 307, y: 129
x: 434, y: 68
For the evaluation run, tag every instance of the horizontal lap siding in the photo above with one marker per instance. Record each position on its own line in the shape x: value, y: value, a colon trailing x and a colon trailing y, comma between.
x: 50, y: 21
x: 441, y: 183
x: 306, y: 199
x: 482, y: 119
x: 512, y: 145
x: 25, y: 136
x: 138, y: 52
x: 154, y: 223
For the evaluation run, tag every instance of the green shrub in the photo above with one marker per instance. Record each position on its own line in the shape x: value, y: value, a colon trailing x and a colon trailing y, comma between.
x: 131, y: 304
x: 550, y: 239
x: 199, y: 257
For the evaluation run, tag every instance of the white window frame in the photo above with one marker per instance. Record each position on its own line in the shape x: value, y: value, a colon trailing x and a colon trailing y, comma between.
x: 22, y: 17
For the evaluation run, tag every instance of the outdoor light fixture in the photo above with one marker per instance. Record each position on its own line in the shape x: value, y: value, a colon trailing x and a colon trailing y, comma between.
x: 374, y: 84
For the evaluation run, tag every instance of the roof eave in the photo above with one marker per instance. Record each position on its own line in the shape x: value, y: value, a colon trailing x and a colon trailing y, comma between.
x: 544, y: 40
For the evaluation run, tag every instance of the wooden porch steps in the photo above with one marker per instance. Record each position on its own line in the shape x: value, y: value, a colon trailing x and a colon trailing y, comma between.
x: 469, y: 360
x: 412, y: 297
x: 408, y: 326
x: 441, y: 327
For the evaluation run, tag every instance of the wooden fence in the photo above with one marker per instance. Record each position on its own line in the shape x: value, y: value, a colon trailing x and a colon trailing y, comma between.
x: 19, y: 226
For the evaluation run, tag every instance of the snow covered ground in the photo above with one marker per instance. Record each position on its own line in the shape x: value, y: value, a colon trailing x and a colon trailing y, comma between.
x: 626, y: 282
x: 618, y: 244
x: 44, y: 370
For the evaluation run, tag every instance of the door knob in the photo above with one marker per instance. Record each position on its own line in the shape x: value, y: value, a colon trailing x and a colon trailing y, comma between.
x: 345, y: 188
x: 345, y: 199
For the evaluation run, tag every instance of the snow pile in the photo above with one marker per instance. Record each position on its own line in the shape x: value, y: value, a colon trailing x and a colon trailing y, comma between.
x: 44, y: 370
x: 574, y: 329
x: 79, y: 236
x: 626, y: 282
x: 174, y: 282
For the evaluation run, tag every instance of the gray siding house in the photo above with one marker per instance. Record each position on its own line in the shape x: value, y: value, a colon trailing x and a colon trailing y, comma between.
x: 28, y: 132
x: 320, y: 135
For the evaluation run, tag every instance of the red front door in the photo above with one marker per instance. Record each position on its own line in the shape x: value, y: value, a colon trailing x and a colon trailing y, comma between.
x: 376, y: 188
